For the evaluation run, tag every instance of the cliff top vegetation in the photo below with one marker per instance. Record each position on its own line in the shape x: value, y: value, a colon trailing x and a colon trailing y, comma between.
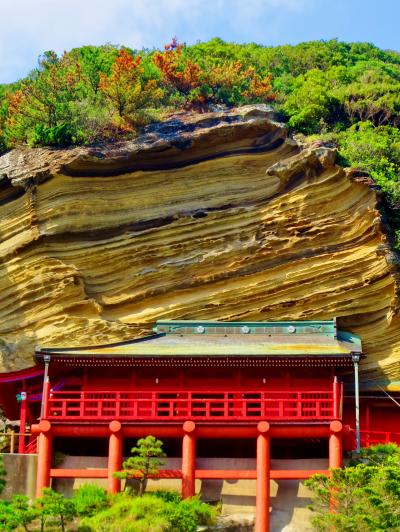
x: 345, y: 93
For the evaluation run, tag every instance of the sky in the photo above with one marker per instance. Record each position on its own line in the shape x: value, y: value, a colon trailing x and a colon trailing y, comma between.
x: 29, y: 27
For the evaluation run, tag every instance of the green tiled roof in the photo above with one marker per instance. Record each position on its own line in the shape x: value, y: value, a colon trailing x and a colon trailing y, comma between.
x: 211, y: 338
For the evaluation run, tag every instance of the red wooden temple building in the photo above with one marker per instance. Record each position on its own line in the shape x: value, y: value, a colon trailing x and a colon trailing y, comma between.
x: 196, y: 382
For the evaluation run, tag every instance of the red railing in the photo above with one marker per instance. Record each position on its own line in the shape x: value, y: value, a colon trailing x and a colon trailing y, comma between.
x: 153, y: 405
x: 373, y: 437
x: 31, y: 448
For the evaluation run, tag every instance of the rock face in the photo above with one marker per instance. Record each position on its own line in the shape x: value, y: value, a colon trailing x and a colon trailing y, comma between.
x: 216, y: 216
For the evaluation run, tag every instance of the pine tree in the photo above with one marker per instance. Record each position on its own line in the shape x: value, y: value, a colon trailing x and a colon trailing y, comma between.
x: 145, y: 461
x: 56, y: 506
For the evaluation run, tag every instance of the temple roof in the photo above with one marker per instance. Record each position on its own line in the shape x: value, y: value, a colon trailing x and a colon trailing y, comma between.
x: 210, y: 338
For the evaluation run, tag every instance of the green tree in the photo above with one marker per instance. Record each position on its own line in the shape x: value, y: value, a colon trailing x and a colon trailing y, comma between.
x: 6, y: 516
x: 55, y: 506
x: 311, y: 106
x: 144, y: 462
x: 375, y: 150
x: 48, y: 99
x: 5, y: 90
x: 94, y: 61
x: 21, y: 513
x: 364, y: 496
x: 372, y: 94
x: 382, y: 454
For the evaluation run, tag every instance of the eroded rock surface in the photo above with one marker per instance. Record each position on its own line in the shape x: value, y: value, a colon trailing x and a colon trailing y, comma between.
x: 216, y: 216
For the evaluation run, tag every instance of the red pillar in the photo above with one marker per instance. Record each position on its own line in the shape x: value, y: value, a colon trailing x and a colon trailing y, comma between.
x: 22, y: 423
x: 44, y: 457
x: 263, y: 477
x: 188, y: 459
x: 114, y: 456
x: 335, y: 445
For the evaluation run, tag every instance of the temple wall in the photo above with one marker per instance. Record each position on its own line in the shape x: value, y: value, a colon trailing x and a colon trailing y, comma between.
x: 21, y: 474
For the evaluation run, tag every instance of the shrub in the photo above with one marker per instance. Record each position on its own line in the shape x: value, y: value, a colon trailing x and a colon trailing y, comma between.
x: 159, y: 512
x: 62, y: 135
x: 168, y: 496
x: 188, y: 514
x: 130, y: 514
x: 90, y: 499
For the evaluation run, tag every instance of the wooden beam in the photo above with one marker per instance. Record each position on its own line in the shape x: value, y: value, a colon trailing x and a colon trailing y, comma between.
x: 303, y: 430
x: 78, y: 473
x: 222, y: 474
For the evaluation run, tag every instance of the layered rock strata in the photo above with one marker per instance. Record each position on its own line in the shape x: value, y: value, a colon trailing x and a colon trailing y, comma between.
x: 216, y: 216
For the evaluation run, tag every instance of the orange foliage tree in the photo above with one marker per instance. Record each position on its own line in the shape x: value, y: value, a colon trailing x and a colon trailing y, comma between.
x: 229, y: 83
x: 245, y: 84
x: 177, y: 70
x: 127, y: 92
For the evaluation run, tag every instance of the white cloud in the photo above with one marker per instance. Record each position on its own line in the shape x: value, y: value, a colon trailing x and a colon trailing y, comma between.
x: 28, y: 27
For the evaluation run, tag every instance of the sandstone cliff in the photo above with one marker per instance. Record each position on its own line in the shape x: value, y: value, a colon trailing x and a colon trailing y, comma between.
x: 216, y: 216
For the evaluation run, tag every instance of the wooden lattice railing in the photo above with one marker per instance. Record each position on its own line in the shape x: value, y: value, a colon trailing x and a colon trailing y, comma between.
x: 150, y: 405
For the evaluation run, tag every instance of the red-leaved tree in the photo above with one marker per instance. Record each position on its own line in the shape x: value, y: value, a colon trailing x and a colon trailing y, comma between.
x: 201, y: 85
x: 127, y: 92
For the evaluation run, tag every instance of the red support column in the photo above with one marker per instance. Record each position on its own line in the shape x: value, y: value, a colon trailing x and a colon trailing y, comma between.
x: 44, y: 457
x: 22, y: 423
x: 263, y: 477
x: 335, y: 445
x: 335, y: 453
x: 114, y: 456
x: 188, y: 459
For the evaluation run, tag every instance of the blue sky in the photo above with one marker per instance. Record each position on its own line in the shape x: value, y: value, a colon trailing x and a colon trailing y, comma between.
x: 29, y: 27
